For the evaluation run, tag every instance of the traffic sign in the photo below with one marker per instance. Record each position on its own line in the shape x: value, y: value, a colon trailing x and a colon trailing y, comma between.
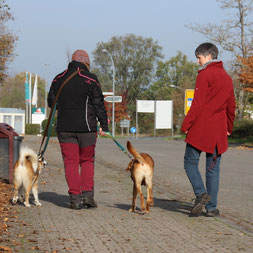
x: 133, y: 130
x: 117, y: 99
x: 107, y: 93
x: 189, y: 94
x: 125, y: 123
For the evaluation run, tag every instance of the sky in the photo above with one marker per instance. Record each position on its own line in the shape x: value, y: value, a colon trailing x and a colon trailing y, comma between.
x: 47, y: 29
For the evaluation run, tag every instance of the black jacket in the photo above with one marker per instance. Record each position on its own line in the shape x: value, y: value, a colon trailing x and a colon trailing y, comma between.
x: 81, y: 102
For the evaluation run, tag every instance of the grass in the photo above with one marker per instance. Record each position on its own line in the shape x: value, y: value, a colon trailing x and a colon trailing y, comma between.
x: 245, y: 141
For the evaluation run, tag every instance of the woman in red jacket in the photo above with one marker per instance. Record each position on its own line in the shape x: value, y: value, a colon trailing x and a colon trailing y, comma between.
x: 207, y: 125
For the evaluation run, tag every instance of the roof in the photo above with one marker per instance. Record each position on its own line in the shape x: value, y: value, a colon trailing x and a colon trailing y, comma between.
x: 11, y: 110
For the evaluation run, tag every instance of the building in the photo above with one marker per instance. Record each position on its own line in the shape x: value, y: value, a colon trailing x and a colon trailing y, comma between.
x: 13, y: 117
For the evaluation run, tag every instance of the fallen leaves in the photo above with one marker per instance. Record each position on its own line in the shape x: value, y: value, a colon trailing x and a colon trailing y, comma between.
x: 244, y: 147
x: 5, y: 209
x: 4, y: 248
x: 35, y: 248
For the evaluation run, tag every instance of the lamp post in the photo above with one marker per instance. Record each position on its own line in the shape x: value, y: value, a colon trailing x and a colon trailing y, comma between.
x: 176, y: 87
x: 113, y: 90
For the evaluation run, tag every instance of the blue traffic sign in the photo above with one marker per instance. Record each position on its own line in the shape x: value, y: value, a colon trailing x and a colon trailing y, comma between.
x: 133, y: 130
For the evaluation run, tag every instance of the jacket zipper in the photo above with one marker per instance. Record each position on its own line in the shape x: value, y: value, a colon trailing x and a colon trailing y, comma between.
x: 87, y: 113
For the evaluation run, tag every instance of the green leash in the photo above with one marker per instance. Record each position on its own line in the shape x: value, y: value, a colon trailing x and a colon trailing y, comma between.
x: 118, y: 144
x: 48, y: 128
x: 41, y: 153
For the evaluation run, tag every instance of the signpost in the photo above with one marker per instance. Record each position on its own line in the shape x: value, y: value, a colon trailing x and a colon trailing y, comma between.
x: 107, y: 93
x: 189, y: 94
x: 133, y: 130
x: 38, y: 115
x: 117, y: 99
x: 125, y: 123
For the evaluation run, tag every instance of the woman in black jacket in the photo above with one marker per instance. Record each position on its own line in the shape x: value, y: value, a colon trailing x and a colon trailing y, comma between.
x: 80, y: 106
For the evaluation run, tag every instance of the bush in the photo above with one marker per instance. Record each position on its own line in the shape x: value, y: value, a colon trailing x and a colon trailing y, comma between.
x: 44, y: 123
x: 32, y: 129
x: 243, y: 129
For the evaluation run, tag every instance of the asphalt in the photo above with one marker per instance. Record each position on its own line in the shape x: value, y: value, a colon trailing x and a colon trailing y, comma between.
x: 54, y: 227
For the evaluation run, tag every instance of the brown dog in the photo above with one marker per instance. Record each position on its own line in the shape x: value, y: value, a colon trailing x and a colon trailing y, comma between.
x: 142, y: 169
x: 26, y: 173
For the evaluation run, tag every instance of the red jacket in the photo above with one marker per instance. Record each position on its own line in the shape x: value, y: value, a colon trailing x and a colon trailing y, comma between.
x: 212, y: 111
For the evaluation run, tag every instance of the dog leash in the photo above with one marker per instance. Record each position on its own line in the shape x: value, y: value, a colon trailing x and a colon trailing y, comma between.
x: 118, y: 144
x: 48, y: 128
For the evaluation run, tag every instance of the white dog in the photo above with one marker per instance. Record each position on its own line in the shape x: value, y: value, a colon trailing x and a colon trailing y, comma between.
x: 26, y: 173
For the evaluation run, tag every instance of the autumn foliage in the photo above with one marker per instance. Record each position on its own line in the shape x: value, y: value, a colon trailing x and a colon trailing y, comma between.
x: 246, y: 74
x: 121, y: 110
x: 7, y: 40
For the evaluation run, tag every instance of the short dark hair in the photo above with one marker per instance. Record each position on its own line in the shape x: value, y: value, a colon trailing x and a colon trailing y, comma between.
x: 206, y: 49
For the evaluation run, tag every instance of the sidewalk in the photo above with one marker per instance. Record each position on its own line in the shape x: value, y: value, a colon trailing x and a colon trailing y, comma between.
x: 54, y: 227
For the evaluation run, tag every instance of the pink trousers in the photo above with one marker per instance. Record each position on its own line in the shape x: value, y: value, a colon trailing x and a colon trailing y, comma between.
x: 79, y: 167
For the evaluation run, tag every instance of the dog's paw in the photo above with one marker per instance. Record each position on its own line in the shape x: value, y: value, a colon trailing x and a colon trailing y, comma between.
x: 14, y: 201
x: 131, y: 210
x: 21, y: 198
x: 147, y: 211
x: 37, y: 203
x: 27, y: 204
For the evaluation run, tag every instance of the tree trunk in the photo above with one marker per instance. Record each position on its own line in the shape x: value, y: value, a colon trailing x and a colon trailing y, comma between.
x: 240, y: 105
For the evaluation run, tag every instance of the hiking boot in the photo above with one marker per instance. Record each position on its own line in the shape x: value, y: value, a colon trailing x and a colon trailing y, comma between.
x: 200, y: 203
x: 88, y: 199
x: 213, y: 213
x: 75, y: 201
x: 75, y: 206
x: 89, y: 203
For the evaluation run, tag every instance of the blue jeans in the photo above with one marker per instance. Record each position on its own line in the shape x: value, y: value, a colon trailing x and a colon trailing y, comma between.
x: 191, y: 162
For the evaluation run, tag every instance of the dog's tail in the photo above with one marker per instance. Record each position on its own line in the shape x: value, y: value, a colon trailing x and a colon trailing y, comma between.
x: 27, y: 154
x: 132, y: 151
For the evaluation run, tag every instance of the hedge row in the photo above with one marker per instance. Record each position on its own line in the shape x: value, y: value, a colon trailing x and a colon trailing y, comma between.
x: 53, y: 131
x: 243, y: 129
x: 34, y: 129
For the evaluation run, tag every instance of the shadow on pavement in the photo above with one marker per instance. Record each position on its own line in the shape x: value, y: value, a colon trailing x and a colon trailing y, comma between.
x: 173, y: 205
x: 57, y: 199
x: 166, y: 204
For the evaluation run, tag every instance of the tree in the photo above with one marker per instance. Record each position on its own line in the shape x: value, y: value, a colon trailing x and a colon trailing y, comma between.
x: 135, y: 61
x: 121, y: 111
x: 234, y: 36
x: 7, y: 40
x: 246, y: 74
x: 12, y: 94
x: 179, y: 72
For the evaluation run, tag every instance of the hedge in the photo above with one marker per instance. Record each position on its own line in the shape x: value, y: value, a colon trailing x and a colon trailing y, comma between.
x: 243, y: 129
x: 44, y: 123
x: 32, y: 129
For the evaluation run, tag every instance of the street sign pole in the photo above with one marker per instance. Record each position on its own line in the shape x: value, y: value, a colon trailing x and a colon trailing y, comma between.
x: 113, y: 90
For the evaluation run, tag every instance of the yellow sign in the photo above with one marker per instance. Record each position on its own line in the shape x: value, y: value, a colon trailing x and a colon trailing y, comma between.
x: 189, y: 94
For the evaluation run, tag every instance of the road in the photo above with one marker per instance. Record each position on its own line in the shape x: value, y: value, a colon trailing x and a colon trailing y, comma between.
x: 54, y: 227
x: 236, y: 179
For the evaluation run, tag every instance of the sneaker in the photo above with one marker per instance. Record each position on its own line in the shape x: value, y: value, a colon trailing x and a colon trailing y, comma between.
x: 200, y: 203
x: 213, y: 213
